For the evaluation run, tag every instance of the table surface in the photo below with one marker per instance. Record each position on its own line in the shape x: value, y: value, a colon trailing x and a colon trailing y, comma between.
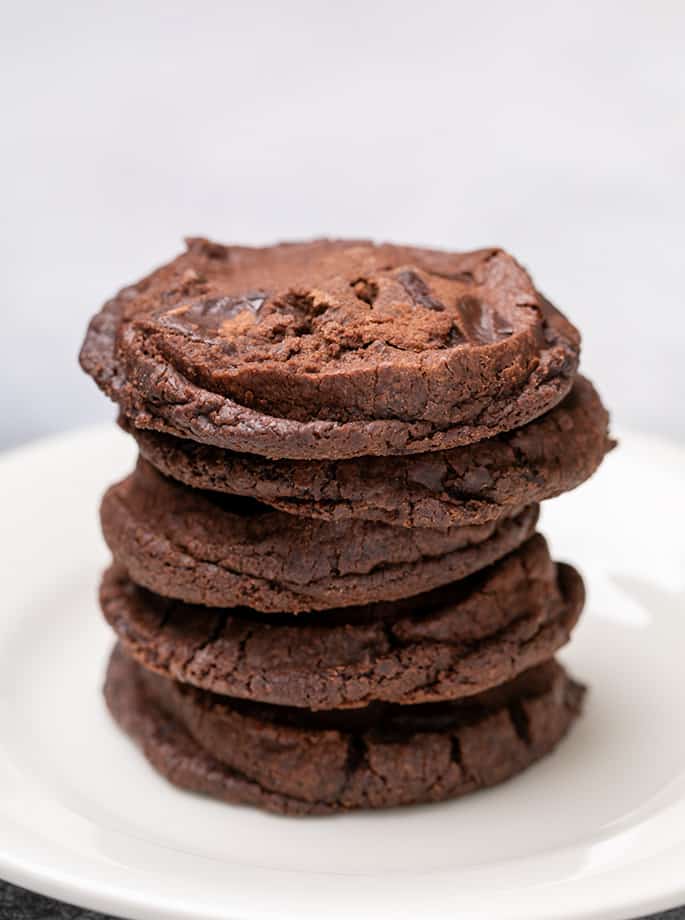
x: 19, y: 904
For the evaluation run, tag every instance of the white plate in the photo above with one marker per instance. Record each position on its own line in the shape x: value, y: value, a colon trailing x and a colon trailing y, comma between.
x: 596, y: 830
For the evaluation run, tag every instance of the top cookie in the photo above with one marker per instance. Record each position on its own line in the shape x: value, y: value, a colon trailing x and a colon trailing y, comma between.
x: 332, y: 349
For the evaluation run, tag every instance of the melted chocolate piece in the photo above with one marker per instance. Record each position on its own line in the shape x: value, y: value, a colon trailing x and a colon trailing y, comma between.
x: 480, y: 323
x: 419, y: 291
x: 210, y: 315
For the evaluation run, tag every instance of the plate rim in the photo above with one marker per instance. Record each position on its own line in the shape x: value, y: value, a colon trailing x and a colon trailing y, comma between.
x: 70, y: 886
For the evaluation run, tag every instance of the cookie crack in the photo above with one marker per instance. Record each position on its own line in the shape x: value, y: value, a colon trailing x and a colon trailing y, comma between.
x: 520, y: 721
x: 514, y: 649
x: 215, y: 632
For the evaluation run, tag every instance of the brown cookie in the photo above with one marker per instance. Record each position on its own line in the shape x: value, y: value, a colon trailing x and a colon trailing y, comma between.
x: 332, y: 349
x: 465, y: 485
x: 296, y: 762
x: 452, y: 642
x: 223, y: 551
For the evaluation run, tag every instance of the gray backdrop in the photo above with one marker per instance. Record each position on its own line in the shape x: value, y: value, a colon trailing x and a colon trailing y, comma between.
x: 555, y: 130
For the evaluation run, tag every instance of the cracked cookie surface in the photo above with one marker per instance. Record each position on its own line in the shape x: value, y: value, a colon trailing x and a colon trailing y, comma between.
x: 299, y: 762
x: 224, y: 551
x: 332, y: 349
x: 466, y: 485
x: 453, y: 642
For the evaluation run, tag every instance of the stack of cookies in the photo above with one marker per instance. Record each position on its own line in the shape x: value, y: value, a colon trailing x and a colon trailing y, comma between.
x: 327, y: 587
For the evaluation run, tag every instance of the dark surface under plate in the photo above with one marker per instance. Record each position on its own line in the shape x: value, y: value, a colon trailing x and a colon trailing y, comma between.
x: 19, y: 904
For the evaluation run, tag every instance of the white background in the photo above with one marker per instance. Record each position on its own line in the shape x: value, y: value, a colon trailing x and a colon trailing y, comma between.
x: 553, y: 129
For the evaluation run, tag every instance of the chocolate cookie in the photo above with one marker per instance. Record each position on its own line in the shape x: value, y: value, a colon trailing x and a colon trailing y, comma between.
x: 332, y: 349
x: 224, y: 551
x: 452, y: 642
x: 465, y: 485
x: 297, y: 762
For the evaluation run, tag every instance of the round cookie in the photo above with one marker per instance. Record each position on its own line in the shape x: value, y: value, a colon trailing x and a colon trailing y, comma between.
x: 453, y: 642
x: 466, y: 485
x: 224, y: 551
x: 296, y: 762
x: 332, y: 349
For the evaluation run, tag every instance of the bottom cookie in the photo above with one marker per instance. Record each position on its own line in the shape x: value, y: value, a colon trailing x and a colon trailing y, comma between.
x: 298, y: 762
